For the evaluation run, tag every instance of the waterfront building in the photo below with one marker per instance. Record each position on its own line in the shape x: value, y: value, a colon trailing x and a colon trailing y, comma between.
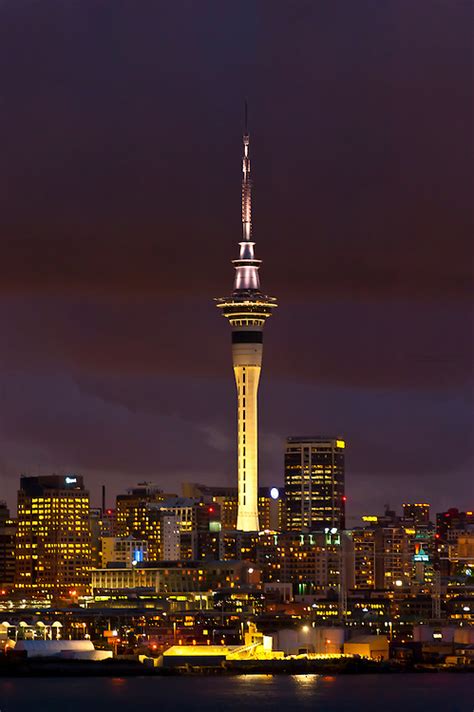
x: 53, y: 543
x: 314, y: 483
x: 247, y: 310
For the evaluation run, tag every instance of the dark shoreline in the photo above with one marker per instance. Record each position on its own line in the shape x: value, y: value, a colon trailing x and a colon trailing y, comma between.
x: 117, y: 668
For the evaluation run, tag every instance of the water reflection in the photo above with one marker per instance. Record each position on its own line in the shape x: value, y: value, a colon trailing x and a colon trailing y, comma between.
x: 305, y: 680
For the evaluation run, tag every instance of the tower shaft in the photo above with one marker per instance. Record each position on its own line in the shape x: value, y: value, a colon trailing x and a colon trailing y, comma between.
x: 247, y: 360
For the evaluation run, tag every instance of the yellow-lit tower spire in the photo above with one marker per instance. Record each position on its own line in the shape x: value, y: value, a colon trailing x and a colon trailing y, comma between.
x: 247, y: 310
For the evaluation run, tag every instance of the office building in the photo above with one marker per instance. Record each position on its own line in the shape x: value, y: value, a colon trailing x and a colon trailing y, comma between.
x: 314, y: 483
x: 174, y: 577
x: 123, y: 550
x: 417, y: 513
x: 133, y: 516
x: 224, y: 497
x: 314, y: 563
x: 53, y: 544
x: 191, y: 524
x: 393, y: 558
x: 363, y: 541
x: 7, y: 548
x: 451, y: 520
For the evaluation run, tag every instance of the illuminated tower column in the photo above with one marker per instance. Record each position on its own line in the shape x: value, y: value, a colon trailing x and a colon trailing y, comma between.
x: 247, y: 309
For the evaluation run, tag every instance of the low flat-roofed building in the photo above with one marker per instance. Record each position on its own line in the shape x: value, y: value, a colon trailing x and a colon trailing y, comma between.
x: 76, y: 649
x: 368, y: 646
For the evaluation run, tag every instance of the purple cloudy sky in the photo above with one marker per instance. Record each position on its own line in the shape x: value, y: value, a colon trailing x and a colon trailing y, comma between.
x: 119, y: 177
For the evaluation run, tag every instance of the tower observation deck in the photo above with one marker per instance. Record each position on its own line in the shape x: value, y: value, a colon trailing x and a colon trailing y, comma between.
x: 247, y: 309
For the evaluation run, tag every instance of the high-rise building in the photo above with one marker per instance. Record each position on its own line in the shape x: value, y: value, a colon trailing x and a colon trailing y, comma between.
x: 170, y: 537
x: 102, y: 523
x: 315, y: 563
x: 225, y: 497
x: 53, y: 544
x: 133, y: 516
x: 7, y: 548
x: 4, y: 512
x: 453, y: 519
x: 364, y: 558
x: 314, y: 483
x: 417, y: 512
x: 393, y: 557
x: 95, y: 527
x: 270, y: 508
x: 247, y: 309
x: 196, y: 522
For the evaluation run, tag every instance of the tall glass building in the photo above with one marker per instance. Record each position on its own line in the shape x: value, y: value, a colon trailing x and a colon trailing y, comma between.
x: 314, y: 483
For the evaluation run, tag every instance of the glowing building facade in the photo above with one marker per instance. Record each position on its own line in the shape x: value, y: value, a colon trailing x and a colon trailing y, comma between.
x: 53, y: 542
x: 314, y: 483
x: 247, y: 309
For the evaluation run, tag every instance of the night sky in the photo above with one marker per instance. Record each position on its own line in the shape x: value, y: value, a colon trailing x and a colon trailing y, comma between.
x: 120, y: 128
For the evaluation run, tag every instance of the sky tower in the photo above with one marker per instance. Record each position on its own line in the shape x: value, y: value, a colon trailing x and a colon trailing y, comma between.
x: 247, y: 310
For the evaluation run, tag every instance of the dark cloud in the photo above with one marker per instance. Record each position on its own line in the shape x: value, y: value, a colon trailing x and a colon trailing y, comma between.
x: 120, y: 215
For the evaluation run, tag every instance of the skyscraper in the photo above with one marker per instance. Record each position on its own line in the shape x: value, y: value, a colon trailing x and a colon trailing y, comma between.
x: 314, y: 483
x: 247, y: 309
x: 53, y: 547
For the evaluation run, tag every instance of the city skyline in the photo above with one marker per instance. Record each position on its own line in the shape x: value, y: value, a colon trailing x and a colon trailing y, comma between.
x: 119, y: 220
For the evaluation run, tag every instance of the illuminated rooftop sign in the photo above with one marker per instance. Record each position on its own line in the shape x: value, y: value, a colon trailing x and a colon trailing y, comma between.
x: 420, y: 554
